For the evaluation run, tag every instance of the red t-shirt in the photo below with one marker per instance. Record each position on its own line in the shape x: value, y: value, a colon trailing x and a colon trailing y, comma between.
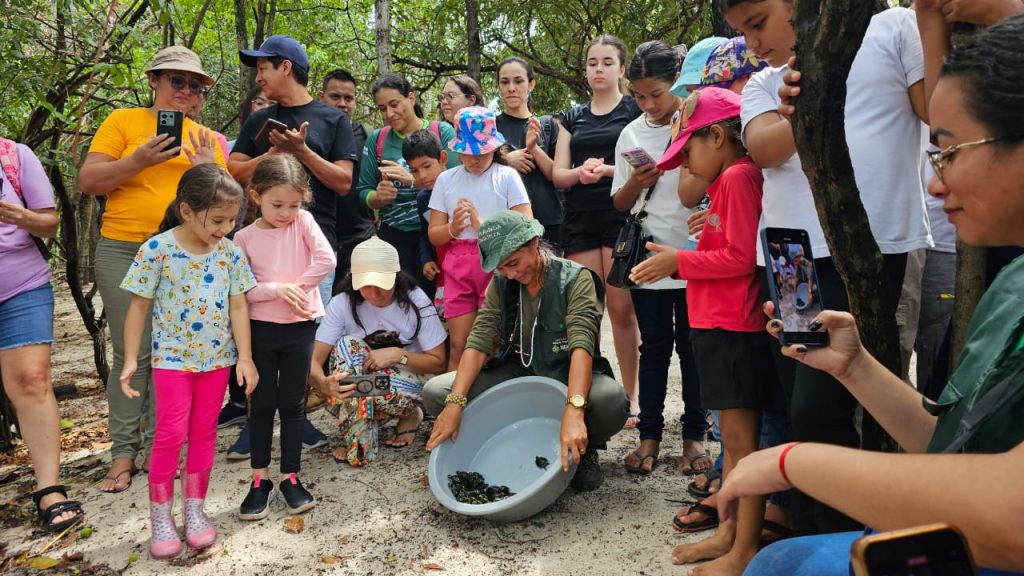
x: 722, y: 289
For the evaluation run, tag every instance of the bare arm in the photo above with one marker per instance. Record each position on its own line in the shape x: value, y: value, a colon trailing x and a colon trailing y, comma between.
x: 917, y: 101
x: 769, y: 139
x: 241, y: 166
x: 562, y: 176
x: 438, y: 230
x: 691, y: 188
x: 101, y: 174
x: 915, y: 489
x: 41, y: 223
x: 934, y: 43
x: 245, y: 369
x: 134, y: 324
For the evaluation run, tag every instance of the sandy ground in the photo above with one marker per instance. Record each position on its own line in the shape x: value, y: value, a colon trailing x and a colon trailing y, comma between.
x: 377, y: 520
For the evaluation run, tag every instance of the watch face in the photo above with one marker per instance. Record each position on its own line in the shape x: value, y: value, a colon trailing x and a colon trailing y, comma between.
x: 577, y: 401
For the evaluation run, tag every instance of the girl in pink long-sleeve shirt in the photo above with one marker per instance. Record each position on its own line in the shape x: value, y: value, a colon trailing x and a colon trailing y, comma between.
x: 730, y: 345
x: 289, y: 255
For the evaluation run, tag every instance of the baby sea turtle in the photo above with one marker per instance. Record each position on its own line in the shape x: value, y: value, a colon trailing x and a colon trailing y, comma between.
x: 471, y: 488
x: 541, y: 462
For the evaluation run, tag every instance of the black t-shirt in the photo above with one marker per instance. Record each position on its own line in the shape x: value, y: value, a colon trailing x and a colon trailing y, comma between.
x: 354, y: 222
x: 329, y: 135
x: 595, y: 137
x: 545, y: 200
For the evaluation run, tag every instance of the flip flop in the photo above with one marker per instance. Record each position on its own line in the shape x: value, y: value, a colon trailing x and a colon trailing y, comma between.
x: 779, y: 531
x: 115, y: 490
x: 706, y: 524
x: 711, y: 475
x: 691, y: 461
x: 639, y: 470
x: 401, y: 433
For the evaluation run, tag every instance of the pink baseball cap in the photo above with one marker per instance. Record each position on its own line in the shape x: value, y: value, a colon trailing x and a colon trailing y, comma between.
x: 701, y: 109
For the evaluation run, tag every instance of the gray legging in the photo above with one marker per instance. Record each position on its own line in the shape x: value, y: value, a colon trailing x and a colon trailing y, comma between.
x: 113, y: 258
x: 606, y: 410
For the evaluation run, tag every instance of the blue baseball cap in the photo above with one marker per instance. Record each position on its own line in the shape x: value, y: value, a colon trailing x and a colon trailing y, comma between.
x: 277, y: 46
x: 693, y: 65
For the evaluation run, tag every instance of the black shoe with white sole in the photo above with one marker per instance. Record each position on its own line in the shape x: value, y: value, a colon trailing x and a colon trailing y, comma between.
x: 296, y: 498
x: 256, y: 505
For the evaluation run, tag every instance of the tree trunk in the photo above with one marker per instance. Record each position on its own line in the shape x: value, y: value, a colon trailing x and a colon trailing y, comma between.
x: 246, y: 75
x: 971, y: 265
x: 382, y: 29
x: 818, y: 128
x: 473, y: 40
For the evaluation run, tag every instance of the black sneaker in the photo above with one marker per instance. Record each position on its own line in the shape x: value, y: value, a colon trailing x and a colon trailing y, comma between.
x: 231, y: 414
x: 256, y: 505
x: 296, y: 498
x: 311, y: 437
x: 589, y: 475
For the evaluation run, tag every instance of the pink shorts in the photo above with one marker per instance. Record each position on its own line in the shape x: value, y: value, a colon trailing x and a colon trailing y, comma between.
x: 465, y: 281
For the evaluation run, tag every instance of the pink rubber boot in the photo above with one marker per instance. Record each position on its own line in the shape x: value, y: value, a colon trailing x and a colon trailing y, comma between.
x: 199, y: 531
x: 164, y: 542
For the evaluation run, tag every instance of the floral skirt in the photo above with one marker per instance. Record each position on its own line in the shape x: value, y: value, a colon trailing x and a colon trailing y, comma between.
x: 359, y: 418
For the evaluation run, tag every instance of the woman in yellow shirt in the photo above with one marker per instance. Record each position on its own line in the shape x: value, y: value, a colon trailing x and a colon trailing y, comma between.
x: 138, y: 172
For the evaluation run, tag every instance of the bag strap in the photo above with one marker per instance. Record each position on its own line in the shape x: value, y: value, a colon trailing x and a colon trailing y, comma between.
x: 983, y: 408
x: 382, y: 135
x: 11, y: 164
x: 642, y: 212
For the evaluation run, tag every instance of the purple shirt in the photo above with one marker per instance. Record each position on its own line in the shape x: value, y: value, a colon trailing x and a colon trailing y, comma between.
x: 23, y: 268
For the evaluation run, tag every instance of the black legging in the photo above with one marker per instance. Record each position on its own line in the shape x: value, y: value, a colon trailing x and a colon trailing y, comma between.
x: 821, y: 409
x: 282, y: 353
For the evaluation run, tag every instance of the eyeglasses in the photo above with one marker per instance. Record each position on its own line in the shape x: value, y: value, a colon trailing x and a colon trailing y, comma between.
x: 939, y: 158
x: 179, y: 82
x: 449, y: 96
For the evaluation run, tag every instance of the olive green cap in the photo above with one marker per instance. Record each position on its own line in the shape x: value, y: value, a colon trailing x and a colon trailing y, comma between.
x: 504, y: 233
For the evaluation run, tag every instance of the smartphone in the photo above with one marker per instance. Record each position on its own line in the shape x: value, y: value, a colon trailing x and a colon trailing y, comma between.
x: 170, y: 122
x: 271, y: 125
x: 793, y: 284
x: 370, y: 384
x: 637, y: 157
x: 936, y: 549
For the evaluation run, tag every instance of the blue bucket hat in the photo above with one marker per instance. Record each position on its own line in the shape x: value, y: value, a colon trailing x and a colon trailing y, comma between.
x: 693, y: 65
x: 277, y: 46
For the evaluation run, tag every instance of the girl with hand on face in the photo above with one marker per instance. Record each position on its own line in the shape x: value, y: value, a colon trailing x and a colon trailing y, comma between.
x: 660, y: 306
x: 462, y: 199
x: 531, y: 143
x: 196, y: 280
x: 137, y: 173
x: 385, y: 183
x: 584, y: 166
x: 459, y: 92
x: 289, y: 256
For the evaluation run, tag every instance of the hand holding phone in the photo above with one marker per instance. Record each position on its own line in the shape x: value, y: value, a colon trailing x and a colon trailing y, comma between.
x: 637, y: 157
x: 376, y: 384
x: 793, y: 284
x: 271, y: 125
x: 170, y: 122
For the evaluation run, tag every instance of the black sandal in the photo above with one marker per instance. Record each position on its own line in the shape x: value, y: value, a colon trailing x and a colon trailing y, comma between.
x: 54, y: 510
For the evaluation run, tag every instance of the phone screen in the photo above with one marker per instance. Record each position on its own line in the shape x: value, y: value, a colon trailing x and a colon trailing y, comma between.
x: 940, y: 552
x: 793, y: 282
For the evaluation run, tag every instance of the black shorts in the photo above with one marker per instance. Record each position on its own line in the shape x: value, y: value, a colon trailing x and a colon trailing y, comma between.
x: 735, y: 369
x: 584, y: 231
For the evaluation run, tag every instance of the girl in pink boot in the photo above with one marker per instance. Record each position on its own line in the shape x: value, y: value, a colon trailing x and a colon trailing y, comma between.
x: 196, y: 280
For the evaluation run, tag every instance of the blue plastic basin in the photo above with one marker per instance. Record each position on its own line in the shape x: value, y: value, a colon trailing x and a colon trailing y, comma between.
x: 503, y: 432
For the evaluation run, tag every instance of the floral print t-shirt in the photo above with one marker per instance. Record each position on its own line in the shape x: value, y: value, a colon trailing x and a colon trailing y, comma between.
x: 190, y: 292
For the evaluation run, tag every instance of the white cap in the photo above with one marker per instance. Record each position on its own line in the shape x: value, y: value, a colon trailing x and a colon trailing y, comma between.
x: 374, y: 263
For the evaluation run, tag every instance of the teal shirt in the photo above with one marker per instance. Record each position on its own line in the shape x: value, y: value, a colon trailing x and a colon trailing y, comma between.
x: 994, y: 349
x: 400, y: 214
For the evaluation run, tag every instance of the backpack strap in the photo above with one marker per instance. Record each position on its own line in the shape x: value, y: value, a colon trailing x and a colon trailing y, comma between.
x: 11, y: 164
x: 382, y: 135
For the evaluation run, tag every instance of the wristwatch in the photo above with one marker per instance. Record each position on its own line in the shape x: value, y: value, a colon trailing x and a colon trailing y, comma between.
x: 576, y: 401
x: 404, y: 360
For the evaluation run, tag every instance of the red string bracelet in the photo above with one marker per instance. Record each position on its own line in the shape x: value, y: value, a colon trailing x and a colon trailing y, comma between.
x: 782, y: 461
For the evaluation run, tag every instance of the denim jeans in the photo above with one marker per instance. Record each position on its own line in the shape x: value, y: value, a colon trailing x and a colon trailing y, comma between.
x: 662, y: 318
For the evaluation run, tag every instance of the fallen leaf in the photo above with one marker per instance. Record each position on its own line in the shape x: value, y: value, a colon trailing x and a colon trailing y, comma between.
x: 101, y: 445
x: 85, y: 532
x: 42, y: 563
x: 133, y: 558
x: 433, y: 566
x: 335, y: 559
x: 392, y: 558
x: 294, y: 524
x: 66, y: 424
x: 425, y: 480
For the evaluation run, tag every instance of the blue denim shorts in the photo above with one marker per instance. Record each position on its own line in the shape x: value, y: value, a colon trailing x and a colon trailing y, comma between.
x: 27, y: 318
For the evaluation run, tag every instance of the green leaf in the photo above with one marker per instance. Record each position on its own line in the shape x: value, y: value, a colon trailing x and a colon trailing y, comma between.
x: 66, y: 424
x: 85, y: 532
x: 42, y: 563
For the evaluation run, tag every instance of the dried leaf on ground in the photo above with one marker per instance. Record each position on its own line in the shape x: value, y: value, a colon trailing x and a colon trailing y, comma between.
x: 42, y: 563
x: 335, y: 559
x: 294, y: 524
x: 433, y: 566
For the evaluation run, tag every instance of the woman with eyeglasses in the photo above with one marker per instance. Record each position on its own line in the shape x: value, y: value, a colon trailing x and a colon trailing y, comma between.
x: 459, y: 92
x: 975, y: 424
x: 138, y: 171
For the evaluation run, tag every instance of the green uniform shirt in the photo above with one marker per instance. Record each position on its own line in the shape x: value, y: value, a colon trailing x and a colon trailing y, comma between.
x: 400, y: 214
x: 994, y: 349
